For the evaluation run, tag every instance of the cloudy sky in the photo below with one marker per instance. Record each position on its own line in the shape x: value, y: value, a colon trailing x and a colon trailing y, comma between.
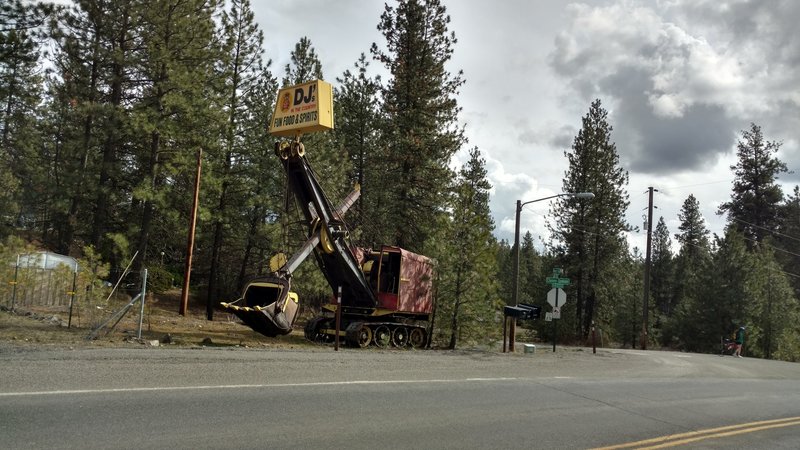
x: 680, y: 79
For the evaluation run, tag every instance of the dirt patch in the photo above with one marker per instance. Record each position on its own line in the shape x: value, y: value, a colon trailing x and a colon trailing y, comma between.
x: 161, y: 325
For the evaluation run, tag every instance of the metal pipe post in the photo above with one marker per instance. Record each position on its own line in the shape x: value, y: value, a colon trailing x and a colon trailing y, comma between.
x: 505, y: 331
x: 144, y: 295
x: 72, y: 300
x: 555, y: 325
x: 16, y: 281
x: 338, y: 317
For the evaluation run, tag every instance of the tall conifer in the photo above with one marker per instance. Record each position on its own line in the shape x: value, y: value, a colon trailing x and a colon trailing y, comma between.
x: 358, y: 125
x: 467, y: 289
x: 242, y: 69
x: 421, y: 131
x: 756, y: 197
x: 20, y: 94
x: 661, y: 273
x: 176, y: 114
x: 590, y: 232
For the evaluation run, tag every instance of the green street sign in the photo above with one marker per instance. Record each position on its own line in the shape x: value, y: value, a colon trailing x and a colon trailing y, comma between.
x: 556, y: 281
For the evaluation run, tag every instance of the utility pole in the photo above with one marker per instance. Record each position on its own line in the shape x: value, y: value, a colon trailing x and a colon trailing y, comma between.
x: 190, y: 243
x: 646, y: 300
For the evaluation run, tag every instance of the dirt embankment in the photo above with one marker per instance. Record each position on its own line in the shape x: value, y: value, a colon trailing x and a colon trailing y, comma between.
x: 161, y: 325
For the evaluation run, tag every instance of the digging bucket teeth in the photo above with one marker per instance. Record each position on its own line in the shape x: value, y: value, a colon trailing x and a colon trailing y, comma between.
x: 267, y: 306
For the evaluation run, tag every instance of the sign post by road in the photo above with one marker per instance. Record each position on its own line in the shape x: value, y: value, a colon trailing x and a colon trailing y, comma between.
x: 556, y: 298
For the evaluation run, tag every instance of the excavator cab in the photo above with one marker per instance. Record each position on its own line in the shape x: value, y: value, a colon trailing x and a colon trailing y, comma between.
x: 384, y: 278
x: 267, y: 305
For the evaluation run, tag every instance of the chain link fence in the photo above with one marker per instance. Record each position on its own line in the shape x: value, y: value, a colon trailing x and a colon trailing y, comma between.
x: 45, y: 281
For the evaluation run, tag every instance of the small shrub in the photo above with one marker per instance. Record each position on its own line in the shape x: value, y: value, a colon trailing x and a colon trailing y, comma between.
x: 159, y: 279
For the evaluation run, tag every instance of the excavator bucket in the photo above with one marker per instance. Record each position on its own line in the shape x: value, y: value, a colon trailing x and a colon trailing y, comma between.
x: 267, y: 306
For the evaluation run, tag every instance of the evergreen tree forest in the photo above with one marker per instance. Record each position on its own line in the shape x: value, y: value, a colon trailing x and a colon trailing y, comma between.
x: 106, y: 107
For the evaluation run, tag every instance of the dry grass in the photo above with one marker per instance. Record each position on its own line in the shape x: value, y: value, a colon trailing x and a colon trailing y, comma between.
x: 47, y: 326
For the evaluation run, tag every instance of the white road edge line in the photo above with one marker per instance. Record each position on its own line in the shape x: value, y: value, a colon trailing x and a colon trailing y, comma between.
x: 241, y: 386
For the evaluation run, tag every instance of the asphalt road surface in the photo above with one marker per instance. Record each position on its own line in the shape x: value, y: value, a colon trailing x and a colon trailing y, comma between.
x: 224, y: 398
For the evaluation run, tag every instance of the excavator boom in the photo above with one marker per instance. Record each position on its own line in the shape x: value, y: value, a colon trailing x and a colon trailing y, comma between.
x: 267, y: 304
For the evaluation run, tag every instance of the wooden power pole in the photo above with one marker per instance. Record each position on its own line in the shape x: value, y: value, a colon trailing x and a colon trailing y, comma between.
x: 646, y: 300
x: 190, y: 244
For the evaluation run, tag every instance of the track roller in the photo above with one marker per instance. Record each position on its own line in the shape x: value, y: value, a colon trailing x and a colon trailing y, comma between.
x: 417, y: 337
x: 382, y: 336
x: 400, y: 337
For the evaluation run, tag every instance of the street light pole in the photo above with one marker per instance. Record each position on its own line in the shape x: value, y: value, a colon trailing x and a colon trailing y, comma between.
x: 515, y: 292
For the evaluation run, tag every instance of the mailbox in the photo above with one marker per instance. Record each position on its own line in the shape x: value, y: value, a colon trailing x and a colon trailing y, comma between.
x: 534, y: 312
x: 523, y: 311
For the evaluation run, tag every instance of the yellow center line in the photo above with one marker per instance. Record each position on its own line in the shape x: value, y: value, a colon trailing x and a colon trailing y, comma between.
x: 692, y: 436
x: 721, y: 435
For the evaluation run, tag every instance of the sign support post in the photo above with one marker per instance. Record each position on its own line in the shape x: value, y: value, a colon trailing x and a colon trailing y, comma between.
x: 553, y: 298
x: 555, y: 325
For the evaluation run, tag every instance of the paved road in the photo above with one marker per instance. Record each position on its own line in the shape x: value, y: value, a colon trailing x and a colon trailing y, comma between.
x: 220, y: 398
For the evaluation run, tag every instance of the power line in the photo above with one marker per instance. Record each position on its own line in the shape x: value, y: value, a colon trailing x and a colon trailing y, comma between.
x: 668, y: 188
x: 779, y: 270
x: 777, y: 233
x: 771, y: 246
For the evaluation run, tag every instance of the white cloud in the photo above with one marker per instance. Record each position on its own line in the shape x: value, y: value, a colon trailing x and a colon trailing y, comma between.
x: 679, y: 78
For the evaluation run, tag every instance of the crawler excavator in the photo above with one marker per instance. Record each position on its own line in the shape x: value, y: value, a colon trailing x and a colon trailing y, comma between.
x: 386, y: 293
x: 383, y: 296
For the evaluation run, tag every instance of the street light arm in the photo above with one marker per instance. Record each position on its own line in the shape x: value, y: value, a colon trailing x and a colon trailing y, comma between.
x: 539, y: 200
x: 566, y: 194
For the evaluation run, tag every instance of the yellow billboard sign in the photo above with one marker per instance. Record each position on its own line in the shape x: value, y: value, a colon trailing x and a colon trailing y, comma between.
x: 303, y: 108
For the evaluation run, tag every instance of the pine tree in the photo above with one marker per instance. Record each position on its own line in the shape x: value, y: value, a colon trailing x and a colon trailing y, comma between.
x: 695, y: 248
x: 662, y: 276
x: 265, y: 182
x: 329, y: 161
x: 716, y: 304
x: 305, y: 64
x: 626, y: 317
x: 358, y: 124
x: 662, y: 269
x: 532, y: 288
x: 176, y: 114
x: 788, y: 238
x: 693, y: 238
x: 20, y: 94
x: 114, y: 182
x: 772, y: 308
x: 690, y: 265
x: 242, y: 70
x: 590, y: 233
x: 505, y: 270
x: 467, y: 289
x: 756, y: 197
x: 421, y: 131
x: 80, y: 118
